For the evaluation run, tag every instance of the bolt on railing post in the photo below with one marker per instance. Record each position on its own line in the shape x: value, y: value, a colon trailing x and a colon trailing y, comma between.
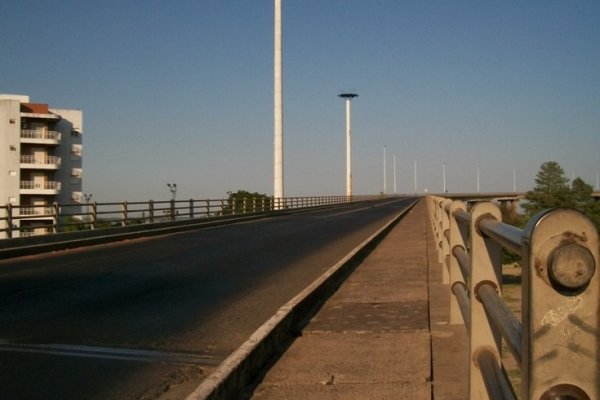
x: 486, y: 269
x: 561, y: 299
x: 458, y: 236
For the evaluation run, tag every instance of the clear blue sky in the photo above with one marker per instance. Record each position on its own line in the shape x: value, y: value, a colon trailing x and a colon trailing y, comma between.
x: 182, y: 91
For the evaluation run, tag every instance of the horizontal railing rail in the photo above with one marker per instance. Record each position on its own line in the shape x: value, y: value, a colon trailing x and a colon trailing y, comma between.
x: 25, y: 220
x: 557, y: 343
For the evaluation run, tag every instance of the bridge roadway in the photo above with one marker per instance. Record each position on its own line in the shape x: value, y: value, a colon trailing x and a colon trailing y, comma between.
x: 150, y: 318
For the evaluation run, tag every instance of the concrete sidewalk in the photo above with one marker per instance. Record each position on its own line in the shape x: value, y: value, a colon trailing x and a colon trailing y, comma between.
x: 384, y: 334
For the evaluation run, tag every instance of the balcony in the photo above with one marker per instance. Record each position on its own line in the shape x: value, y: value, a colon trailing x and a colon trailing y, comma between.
x: 40, y: 162
x: 40, y: 136
x: 35, y: 212
x: 41, y: 188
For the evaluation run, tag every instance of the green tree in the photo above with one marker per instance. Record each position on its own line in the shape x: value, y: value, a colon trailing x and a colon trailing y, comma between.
x: 583, y: 200
x: 551, y: 190
x: 244, y: 201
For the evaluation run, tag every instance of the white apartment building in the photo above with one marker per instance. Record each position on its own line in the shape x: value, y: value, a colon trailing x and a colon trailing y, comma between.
x: 40, y: 162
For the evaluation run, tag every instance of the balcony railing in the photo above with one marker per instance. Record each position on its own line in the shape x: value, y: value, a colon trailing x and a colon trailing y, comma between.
x: 51, y: 161
x: 35, y: 211
x: 40, y: 134
x: 32, y: 185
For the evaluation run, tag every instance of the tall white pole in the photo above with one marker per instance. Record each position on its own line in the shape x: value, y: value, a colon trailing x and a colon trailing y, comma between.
x: 514, y: 180
x: 478, y: 179
x: 348, y: 96
x: 278, y: 108
x: 348, y: 150
x: 597, y: 181
x: 415, y: 176
x: 395, y: 191
x: 384, y: 173
x: 444, y: 176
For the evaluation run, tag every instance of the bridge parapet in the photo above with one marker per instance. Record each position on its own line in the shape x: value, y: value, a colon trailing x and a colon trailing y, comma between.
x: 557, y: 343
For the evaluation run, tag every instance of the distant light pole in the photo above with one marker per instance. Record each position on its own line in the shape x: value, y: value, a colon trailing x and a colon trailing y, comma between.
x: 444, y: 177
x: 415, y: 177
x: 348, y: 96
x: 87, y: 198
x: 395, y: 191
x: 478, y: 179
x: 597, y: 181
x: 514, y: 180
x: 173, y: 190
x: 278, y: 110
x: 384, y: 173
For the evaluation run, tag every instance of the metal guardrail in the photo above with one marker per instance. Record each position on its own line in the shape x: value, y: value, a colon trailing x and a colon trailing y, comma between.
x: 27, y: 220
x: 557, y: 344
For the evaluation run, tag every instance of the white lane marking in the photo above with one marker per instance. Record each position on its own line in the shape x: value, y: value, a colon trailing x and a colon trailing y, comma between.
x: 111, y: 353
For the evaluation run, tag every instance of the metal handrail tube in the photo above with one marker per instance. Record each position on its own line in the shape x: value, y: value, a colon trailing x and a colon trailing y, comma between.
x: 462, y: 216
x: 495, y: 380
x: 464, y: 261
x: 507, y: 235
x: 502, y: 318
x: 459, y: 289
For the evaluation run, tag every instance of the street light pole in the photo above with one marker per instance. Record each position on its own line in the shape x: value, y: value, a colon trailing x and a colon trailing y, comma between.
x: 348, y: 96
x: 278, y: 193
x: 384, y: 173
x: 173, y: 190
x: 87, y: 198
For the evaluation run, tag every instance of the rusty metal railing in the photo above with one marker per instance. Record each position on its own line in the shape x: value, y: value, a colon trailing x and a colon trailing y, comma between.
x: 32, y: 220
x: 557, y: 343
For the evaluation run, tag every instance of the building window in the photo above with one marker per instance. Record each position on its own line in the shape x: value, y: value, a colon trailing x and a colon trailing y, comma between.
x: 12, y: 147
x: 12, y: 173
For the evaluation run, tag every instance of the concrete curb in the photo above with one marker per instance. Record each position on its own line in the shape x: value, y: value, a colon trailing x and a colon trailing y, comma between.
x: 239, y: 369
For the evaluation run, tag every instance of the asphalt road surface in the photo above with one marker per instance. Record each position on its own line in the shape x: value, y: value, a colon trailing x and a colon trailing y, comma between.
x: 150, y: 318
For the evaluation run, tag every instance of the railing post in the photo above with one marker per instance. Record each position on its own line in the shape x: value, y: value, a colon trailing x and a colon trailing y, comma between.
x: 93, y: 216
x: 191, y: 208
x: 151, y: 211
x: 207, y: 208
x: 444, y: 227
x: 124, y: 213
x: 561, y: 299
x: 9, y: 220
x: 55, y: 217
x: 486, y: 268
x: 172, y: 209
x: 458, y: 237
